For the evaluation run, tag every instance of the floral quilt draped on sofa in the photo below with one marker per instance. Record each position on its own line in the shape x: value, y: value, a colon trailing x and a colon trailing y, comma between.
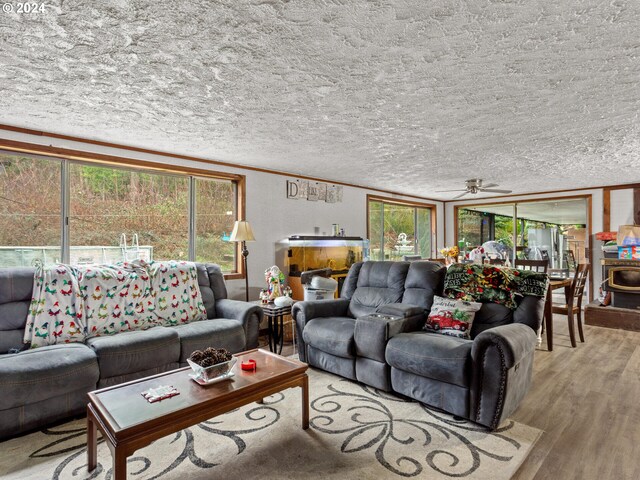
x: 73, y: 303
x: 489, y: 283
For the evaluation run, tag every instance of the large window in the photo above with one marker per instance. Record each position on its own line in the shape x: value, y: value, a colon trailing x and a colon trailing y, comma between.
x: 397, y: 229
x: 112, y: 214
x: 30, y: 211
x: 215, y: 214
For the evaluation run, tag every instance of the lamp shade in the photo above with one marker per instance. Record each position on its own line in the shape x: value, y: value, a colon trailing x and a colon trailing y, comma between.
x: 242, y: 232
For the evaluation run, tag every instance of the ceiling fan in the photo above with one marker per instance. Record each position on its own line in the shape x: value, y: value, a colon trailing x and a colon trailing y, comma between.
x: 474, y: 186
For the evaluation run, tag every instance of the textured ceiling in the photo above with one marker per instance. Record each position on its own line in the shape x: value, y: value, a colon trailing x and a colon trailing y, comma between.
x: 411, y: 96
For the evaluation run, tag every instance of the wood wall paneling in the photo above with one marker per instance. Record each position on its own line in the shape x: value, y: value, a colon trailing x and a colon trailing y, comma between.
x: 606, y: 210
x: 636, y: 206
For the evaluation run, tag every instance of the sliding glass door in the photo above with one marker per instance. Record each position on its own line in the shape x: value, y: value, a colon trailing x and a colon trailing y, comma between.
x: 544, y: 229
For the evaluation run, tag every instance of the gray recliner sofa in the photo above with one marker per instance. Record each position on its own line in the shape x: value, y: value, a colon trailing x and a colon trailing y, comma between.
x: 50, y: 383
x: 373, y: 334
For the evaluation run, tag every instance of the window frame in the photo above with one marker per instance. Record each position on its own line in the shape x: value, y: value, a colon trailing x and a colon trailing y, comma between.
x: 69, y: 157
x: 406, y: 203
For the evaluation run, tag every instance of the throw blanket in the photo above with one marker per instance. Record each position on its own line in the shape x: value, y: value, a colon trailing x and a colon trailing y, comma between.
x: 487, y: 283
x: 73, y: 303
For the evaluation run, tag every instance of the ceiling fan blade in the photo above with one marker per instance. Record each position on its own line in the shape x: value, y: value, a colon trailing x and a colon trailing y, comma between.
x: 494, y: 190
x: 458, y: 190
x: 461, y: 195
x: 489, y: 185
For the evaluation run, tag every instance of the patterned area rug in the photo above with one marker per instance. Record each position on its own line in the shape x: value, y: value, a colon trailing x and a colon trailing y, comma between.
x: 356, y: 433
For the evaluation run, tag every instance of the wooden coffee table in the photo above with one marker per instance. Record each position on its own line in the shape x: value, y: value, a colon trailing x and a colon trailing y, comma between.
x: 128, y: 422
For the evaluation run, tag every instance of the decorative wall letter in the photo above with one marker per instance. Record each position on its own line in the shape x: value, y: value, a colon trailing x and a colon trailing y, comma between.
x: 293, y: 189
x: 314, y: 191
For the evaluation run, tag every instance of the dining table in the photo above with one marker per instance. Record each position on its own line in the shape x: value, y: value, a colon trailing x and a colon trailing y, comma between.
x: 554, y: 284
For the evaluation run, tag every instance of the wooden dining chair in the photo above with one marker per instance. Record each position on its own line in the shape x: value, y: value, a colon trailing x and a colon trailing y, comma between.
x: 570, y: 259
x: 535, y: 265
x: 574, y: 302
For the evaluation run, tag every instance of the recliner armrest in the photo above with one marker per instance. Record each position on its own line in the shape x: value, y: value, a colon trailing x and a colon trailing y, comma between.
x: 404, y: 310
x: 248, y: 314
x: 305, y: 311
x: 515, y: 341
x: 372, y: 332
x: 302, y: 312
x: 414, y: 316
x: 502, y: 366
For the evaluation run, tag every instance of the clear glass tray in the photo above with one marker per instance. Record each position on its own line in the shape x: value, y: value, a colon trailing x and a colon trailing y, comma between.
x: 200, y: 381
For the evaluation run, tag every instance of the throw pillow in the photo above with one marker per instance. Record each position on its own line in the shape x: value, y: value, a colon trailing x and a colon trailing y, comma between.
x: 451, y: 317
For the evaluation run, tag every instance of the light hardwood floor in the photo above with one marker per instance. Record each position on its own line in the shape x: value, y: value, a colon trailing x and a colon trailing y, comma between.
x: 587, y: 402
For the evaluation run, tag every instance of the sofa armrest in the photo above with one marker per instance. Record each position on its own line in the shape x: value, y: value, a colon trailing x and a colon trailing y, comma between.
x: 502, y: 365
x: 372, y: 332
x: 302, y: 312
x: 414, y: 316
x: 248, y: 314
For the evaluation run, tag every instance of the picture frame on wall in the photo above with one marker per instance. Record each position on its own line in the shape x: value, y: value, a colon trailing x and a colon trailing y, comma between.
x: 322, y: 192
x: 332, y: 194
x: 312, y: 194
x: 303, y: 189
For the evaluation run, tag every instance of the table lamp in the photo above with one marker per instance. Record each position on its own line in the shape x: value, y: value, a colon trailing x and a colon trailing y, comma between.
x: 242, y: 233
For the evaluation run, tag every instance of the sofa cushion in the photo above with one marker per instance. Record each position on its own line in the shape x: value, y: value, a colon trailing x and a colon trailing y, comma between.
x: 16, y: 284
x: 208, y: 296
x: 379, y: 283
x: 332, y: 335
x: 491, y: 315
x: 424, y: 280
x: 131, y: 352
x: 16, y: 288
x: 440, y: 357
x: 11, y: 340
x: 13, y: 315
x: 218, y: 333
x: 47, y: 372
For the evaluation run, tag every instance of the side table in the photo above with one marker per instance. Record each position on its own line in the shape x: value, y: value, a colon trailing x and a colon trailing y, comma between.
x: 275, y: 318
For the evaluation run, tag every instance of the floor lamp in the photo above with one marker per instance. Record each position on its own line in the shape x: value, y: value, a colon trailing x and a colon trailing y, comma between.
x: 242, y: 233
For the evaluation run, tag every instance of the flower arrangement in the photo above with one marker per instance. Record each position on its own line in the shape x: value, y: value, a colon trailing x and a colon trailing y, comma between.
x: 450, y: 252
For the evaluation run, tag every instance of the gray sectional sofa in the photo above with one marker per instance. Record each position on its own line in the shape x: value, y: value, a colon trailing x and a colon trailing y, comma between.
x: 46, y: 384
x: 482, y: 379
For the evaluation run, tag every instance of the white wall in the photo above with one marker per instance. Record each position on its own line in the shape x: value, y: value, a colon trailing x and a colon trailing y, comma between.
x: 273, y: 217
x: 621, y: 212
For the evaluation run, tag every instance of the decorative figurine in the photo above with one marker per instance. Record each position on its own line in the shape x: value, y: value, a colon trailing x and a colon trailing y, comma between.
x: 264, y: 297
x: 275, y: 282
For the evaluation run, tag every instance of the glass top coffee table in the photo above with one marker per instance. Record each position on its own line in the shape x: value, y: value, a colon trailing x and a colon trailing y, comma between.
x: 129, y: 422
